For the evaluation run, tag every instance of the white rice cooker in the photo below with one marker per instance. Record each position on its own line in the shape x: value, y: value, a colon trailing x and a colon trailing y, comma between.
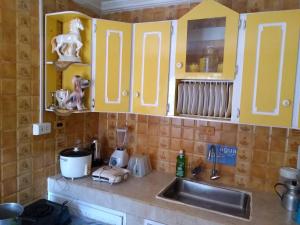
x: 75, y: 162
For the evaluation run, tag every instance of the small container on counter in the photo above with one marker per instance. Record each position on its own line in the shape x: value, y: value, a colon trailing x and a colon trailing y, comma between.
x: 288, y: 174
x: 180, y: 164
x: 139, y: 165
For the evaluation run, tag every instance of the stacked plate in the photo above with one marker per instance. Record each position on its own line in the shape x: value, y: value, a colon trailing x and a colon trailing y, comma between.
x: 207, y: 99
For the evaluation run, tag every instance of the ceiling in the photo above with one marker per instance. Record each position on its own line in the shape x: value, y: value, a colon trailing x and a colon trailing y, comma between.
x: 109, y: 6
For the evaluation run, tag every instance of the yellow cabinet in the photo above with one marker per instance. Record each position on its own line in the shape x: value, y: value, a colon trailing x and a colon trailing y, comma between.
x: 112, y: 66
x: 271, y: 48
x: 151, y: 67
x: 296, y: 110
x: 207, y: 42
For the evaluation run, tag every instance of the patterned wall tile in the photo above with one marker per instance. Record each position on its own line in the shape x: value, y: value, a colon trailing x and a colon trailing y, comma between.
x: 8, y: 187
x: 24, y: 181
x: 25, y: 196
x: 8, y: 70
x: 8, y: 139
x: 24, y: 166
x: 8, y: 122
x: 8, y: 170
x: 24, y: 150
x: 8, y: 155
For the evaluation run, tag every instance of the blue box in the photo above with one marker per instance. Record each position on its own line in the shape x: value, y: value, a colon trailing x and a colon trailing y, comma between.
x: 225, y: 154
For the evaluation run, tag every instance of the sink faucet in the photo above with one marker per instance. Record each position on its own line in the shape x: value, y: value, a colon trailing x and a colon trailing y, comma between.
x: 213, y: 153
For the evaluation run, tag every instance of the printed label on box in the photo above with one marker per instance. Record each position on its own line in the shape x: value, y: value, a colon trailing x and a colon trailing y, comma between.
x: 225, y: 154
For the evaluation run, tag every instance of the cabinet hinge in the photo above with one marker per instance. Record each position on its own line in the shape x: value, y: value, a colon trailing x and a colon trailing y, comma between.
x: 238, y: 113
x: 236, y: 69
x: 168, y: 108
x: 93, y: 103
x: 95, y: 28
x: 172, y: 29
x: 242, y: 24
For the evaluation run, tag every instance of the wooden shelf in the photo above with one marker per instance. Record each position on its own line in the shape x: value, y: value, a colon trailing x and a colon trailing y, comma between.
x: 68, y: 112
x: 204, y: 117
x: 77, y: 64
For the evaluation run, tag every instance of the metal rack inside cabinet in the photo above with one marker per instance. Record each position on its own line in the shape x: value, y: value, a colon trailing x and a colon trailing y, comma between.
x: 204, y: 99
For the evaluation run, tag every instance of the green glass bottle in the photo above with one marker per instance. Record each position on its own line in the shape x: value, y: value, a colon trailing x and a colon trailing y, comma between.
x: 180, y: 164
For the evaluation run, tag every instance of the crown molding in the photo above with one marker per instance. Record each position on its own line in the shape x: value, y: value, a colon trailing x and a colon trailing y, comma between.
x: 111, y: 6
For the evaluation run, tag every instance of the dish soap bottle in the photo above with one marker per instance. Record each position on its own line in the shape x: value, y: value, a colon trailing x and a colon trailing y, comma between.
x: 180, y: 164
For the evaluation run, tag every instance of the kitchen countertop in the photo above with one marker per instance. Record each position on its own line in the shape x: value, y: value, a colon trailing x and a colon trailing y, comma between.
x: 137, y: 196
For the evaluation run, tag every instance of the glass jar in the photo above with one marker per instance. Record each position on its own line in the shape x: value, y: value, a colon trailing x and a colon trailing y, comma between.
x: 209, y: 63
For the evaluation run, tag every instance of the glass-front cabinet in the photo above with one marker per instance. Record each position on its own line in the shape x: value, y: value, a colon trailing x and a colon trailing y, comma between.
x: 207, y: 42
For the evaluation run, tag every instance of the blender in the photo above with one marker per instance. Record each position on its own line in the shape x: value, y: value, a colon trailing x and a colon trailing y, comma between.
x: 119, y: 158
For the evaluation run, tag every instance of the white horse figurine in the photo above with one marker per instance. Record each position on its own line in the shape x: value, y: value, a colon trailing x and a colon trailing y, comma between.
x: 64, y: 44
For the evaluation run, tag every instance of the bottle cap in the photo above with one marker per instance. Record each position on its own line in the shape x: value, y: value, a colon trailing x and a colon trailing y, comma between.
x: 181, y: 151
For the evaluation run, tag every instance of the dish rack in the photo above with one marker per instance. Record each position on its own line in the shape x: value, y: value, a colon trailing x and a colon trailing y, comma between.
x: 209, y: 99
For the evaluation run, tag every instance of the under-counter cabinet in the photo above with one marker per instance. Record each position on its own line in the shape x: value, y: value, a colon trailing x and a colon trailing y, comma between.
x: 91, y: 211
x: 112, y: 52
x: 151, y: 67
x: 270, y: 64
x: 55, y: 24
x: 207, y: 42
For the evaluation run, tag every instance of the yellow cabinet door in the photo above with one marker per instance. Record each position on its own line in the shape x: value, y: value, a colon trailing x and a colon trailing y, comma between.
x: 112, y: 66
x: 151, y: 67
x: 299, y: 116
x: 270, y: 62
x: 207, y: 42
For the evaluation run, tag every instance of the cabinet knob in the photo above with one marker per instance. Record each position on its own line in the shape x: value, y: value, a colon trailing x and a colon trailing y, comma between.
x: 179, y: 65
x: 137, y: 94
x: 124, y: 93
x: 286, y: 103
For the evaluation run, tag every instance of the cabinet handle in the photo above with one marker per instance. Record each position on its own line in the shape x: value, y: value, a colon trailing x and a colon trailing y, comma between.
x: 179, y: 65
x: 137, y: 94
x: 286, y: 103
x: 124, y: 93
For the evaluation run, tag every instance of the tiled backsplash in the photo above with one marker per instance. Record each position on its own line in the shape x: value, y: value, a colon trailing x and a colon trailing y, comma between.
x: 26, y: 161
x: 261, y: 150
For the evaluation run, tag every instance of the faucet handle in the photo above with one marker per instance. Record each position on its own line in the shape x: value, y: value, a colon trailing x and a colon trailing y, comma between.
x: 196, y: 170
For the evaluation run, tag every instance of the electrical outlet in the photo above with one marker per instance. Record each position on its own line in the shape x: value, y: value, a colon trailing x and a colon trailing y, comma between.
x: 41, y: 128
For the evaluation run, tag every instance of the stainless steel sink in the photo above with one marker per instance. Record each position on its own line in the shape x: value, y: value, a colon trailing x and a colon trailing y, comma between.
x: 197, y: 194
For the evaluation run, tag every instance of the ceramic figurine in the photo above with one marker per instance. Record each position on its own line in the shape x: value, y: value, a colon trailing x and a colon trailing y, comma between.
x: 68, y: 46
x: 62, y: 96
x: 75, y: 100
